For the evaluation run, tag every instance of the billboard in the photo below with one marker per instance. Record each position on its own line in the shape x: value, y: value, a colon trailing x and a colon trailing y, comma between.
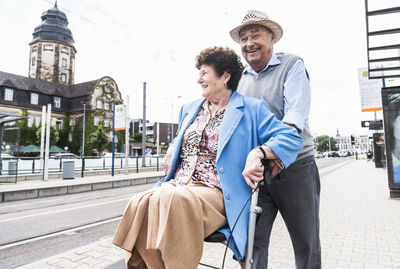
x: 391, y: 116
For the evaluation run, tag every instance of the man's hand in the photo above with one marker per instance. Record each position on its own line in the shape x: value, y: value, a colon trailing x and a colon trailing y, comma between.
x: 254, y: 170
x: 166, y: 161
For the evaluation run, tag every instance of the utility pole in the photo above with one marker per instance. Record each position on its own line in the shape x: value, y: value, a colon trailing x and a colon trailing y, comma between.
x: 144, y: 126
x: 83, y: 140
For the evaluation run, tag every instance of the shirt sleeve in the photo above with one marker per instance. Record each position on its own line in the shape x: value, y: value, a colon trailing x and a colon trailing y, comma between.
x: 297, y: 96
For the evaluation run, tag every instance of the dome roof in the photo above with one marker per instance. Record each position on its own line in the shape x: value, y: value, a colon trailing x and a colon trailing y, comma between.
x: 54, y: 26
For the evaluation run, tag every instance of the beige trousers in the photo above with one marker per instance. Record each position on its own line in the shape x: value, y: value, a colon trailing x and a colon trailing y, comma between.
x: 166, y: 226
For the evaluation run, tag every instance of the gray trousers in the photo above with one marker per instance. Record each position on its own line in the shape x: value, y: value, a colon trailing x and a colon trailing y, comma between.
x: 296, y: 196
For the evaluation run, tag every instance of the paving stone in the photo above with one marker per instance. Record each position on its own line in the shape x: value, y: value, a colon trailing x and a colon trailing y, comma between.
x: 359, y: 229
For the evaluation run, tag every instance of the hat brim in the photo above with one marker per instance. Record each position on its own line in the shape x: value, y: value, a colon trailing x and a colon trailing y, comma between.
x: 273, y: 26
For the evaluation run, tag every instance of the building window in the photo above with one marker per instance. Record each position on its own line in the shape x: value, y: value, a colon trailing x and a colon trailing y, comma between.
x: 106, y: 105
x: 34, y: 49
x: 30, y: 120
x: 59, y: 124
x: 34, y: 98
x: 57, y: 102
x: 99, y: 104
x: 64, y: 50
x: 48, y: 47
x: 64, y: 63
x: 107, y: 88
x: 106, y: 123
x: 63, y: 78
x: 96, y: 121
x: 38, y: 120
x: 9, y: 94
x: 33, y: 61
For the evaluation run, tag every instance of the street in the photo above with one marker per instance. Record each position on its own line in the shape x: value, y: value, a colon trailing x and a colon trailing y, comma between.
x: 38, y: 228
x: 34, y: 229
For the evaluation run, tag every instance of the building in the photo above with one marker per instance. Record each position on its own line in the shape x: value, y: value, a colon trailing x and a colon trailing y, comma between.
x: 51, y: 81
x: 136, y: 125
x: 361, y: 143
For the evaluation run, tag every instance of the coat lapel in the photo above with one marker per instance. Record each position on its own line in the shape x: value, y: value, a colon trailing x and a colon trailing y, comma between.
x: 231, y: 120
x: 187, y: 119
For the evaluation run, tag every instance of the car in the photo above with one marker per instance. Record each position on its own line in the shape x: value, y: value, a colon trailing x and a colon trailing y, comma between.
x: 64, y: 156
x: 333, y: 154
x: 342, y: 153
x: 116, y: 155
x: 318, y: 154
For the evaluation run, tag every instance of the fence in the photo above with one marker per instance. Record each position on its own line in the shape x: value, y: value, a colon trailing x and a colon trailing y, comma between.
x: 26, y: 165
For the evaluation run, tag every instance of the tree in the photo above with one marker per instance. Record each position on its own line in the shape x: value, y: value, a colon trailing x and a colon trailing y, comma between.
x: 64, y: 134
x: 98, y: 139
x: 323, y: 143
x: 54, y: 136
x: 76, y: 137
x: 137, y: 137
x: 27, y: 134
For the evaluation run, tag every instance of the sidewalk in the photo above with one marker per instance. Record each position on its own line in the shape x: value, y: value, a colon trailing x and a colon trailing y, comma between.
x: 360, y: 228
x: 29, y: 189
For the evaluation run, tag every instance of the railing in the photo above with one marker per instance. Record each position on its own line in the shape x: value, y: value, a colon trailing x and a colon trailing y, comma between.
x: 29, y: 165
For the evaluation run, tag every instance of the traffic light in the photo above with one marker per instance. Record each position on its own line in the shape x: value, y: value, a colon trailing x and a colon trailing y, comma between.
x: 353, y: 141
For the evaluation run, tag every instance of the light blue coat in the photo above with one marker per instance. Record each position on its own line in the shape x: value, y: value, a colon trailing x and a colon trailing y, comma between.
x: 247, y: 123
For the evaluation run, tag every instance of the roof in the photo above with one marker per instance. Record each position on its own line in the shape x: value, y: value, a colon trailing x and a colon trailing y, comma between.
x: 46, y: 87
x: 54, y: 26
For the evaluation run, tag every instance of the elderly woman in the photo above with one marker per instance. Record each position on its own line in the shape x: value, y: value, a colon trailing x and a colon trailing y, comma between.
x: 204, y: 188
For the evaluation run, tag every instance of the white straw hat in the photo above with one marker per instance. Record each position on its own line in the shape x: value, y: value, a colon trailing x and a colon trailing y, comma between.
x: 254, y: 17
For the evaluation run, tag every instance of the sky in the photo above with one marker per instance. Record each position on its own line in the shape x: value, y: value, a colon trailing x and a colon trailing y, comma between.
x: 157, y: 41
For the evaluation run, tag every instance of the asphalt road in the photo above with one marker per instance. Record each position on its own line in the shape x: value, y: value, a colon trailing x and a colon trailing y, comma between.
x: 40, y: 228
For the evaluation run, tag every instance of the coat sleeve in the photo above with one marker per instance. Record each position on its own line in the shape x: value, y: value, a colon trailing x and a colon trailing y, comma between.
x: 282, y: 139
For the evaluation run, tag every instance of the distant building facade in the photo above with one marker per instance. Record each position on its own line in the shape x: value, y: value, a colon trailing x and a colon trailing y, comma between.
x: 361, y: 142
x: 51, y: 80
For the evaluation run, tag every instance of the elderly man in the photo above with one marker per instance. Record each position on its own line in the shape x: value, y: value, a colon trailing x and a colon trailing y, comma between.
x: 282, y: 81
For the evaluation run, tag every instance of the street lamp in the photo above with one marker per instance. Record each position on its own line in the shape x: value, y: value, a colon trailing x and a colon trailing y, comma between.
x: 83, y: 139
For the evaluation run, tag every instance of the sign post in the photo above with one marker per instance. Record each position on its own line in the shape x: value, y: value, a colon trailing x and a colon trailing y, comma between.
x: 118, y: 124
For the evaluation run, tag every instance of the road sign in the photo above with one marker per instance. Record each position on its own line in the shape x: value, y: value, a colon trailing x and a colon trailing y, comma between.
x: 370, y: 91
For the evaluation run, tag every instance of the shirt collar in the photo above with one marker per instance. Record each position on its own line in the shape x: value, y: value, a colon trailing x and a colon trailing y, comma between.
x: 273, y: 61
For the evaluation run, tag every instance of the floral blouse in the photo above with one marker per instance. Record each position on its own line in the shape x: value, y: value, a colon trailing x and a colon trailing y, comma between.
x: 199, y: 150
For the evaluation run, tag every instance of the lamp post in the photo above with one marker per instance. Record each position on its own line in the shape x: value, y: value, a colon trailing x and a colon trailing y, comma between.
x: 83, y: 139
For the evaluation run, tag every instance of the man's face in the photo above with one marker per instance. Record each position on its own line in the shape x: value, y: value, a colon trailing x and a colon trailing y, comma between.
x: 257, y: 44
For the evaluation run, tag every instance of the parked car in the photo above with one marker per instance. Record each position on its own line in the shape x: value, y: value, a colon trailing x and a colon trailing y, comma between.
x: 64, y: 156
x: 116, y: 155
x: 318, y: 154
x: 333, y: 154
x: 342, y: 153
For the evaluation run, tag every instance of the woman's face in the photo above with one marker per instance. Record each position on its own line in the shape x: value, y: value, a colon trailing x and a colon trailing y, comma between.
x: 211, y: 84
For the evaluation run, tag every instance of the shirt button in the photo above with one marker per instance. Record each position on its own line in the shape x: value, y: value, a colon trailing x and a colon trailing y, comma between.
x: 221, y: 170
x: 227, y: 196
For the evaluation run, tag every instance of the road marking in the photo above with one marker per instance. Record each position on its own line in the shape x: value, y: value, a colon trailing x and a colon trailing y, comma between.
x: 37, y: 238
x: 63, y: 210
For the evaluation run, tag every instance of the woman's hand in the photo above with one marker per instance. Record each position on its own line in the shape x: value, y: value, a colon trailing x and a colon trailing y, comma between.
x: 166, y: 161
x: 254, y: 170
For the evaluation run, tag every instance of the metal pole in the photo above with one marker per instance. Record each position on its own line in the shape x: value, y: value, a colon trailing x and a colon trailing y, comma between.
x: 42, y: 133
x: 144, y: 126
x: 83, y: 140
x: 158, y: 138
x: 113, y: 143
x: 126, y: 134
x: 254, y: 211
x: 47, y: 148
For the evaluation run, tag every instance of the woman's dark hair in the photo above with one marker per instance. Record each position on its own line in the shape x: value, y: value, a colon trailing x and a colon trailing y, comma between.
x: 222, y: 59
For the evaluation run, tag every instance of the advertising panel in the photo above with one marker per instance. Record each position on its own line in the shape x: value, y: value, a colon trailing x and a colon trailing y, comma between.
x: 391, y: 116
